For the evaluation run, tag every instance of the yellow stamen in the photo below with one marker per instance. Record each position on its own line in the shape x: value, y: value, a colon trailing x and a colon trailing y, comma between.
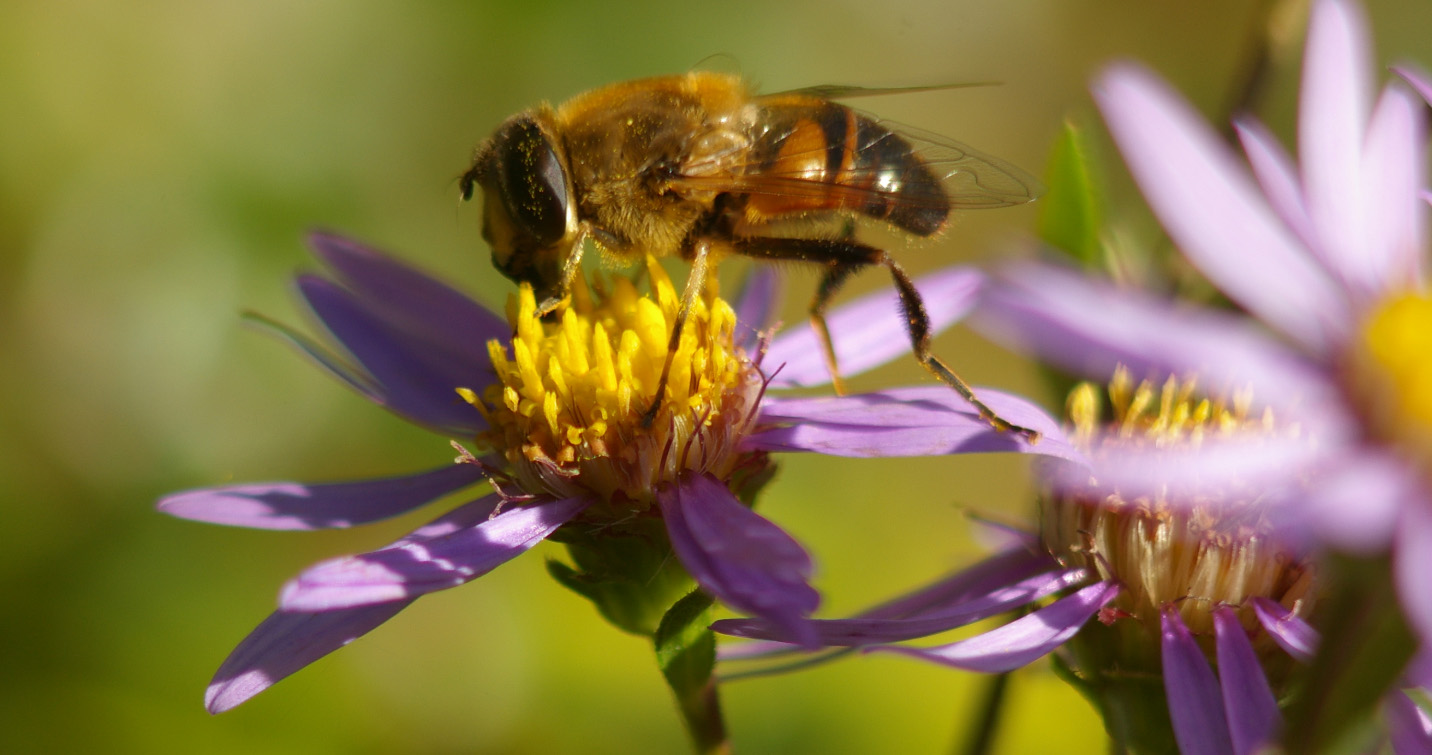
x: 566, y: 410
x: 1218, y: 550
x: 1395, y: 372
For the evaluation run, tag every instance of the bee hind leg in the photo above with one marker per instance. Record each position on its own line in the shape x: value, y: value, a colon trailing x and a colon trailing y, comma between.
x: 843, y: 257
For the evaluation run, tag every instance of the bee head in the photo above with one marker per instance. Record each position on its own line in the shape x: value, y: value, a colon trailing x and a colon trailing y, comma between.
x: 528, y: 217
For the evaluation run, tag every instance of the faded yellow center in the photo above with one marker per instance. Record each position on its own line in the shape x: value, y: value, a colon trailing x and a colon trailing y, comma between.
x: 566, y: 410
x: 1395, y: 372
x: 1218, y: 550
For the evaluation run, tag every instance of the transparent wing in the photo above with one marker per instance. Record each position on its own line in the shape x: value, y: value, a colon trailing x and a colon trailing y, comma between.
x: 942, y: 173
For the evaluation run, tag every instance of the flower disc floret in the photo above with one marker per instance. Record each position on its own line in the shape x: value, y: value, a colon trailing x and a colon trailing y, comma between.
x: 566, y: 412
x: 1221, y: 549
x: 1395, y: 370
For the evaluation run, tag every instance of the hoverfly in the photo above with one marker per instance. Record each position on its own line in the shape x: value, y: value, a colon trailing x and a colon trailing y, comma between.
x: 698, y: 165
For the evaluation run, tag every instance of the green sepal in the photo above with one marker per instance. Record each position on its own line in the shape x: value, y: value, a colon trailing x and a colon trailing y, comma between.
x: 685, y: 645
x: 626, y: 570
x: 1365, y: 646
x: 1071, y: 215
x: 1117, y: 669
x: 748, y: 480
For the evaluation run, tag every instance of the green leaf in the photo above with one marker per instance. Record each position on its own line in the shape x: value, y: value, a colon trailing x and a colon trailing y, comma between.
x: 1071, y: 212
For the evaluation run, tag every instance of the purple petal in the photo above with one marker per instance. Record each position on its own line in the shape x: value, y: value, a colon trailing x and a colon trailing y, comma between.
x: 1214, y: 213
x: 1395, y: 237
x: 1409, y: 726
x: 1410, y: 557
x: 1276, y: 468
x: 411, y: 301
x: 416, y: 378
x: 1278, y: 176
x: 445, y: 554
x: 1194, y: 698
x: 1290, y: 632
x: 1333, y: 108
x: 1089, y: 328
x: 286, y: 642
x: 321, y: 356
x: 1418, y: 78
x: 870, y: 631
x: 1019, y: 642
x: 298, y: 506
x: 1248, y: 701
x: 870, y: 331
x: 289, y: 640
x: 981, y: 579
x: 1419, y: 670
x: 739, y: 557
x: 920, y: 421
x: 757, y: 305
x: 1358, y: 498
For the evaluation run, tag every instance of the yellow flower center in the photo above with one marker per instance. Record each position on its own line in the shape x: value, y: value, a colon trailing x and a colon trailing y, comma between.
x: 1218, y: 550
x: 566, y: 410
x: 1395, y: 372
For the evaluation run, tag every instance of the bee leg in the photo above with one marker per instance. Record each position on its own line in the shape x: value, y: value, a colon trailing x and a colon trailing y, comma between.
x: 835, y: 277
x: 844, y: 257
x: 917, y: 324
x: 695, y: 282
x: 836, y: 273
x: 571, y: 267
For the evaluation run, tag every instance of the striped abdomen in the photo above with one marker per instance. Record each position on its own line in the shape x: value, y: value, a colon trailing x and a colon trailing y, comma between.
x: 815, y: 156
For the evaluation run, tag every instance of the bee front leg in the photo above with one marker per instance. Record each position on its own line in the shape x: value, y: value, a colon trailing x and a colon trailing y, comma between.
x: 571, y: 268
x: 695, y: 282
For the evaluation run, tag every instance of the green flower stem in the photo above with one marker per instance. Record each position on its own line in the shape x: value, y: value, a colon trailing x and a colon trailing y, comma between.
x: 701, y: 710
x: 984, y: 728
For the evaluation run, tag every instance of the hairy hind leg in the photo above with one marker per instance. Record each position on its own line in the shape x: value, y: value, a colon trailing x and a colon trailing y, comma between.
x: 844, y: 257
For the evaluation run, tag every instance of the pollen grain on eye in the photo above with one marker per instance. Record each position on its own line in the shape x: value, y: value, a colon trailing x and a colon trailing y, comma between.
x: 566, y: 411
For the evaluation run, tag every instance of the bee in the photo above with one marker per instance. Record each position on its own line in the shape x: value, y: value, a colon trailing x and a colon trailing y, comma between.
x: 698, y: 165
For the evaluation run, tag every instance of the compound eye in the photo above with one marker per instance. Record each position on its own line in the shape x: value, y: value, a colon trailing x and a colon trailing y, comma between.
x: 534, y: 186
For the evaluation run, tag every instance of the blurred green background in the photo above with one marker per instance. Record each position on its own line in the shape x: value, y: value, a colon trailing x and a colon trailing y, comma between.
x: 159, y: 164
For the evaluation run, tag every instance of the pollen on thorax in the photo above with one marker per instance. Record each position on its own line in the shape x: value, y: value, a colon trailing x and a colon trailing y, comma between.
x: 1218, y: 549
x: 566, y: 410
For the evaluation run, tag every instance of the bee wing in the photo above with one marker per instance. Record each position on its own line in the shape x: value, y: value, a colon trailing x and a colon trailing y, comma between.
x: 965, y: 177
x: 847, y: 91
x: 971, y: 179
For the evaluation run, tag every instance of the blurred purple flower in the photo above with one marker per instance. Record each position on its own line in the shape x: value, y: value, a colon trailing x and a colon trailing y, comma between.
x: 409, y: 342
x: 1330, y: 256
x: 1157, y: 574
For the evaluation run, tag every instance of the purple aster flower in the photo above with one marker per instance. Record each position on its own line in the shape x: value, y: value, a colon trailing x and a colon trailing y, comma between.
x: 1202, y: 606
x: 553, y: 413
x: 1328, y: 258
